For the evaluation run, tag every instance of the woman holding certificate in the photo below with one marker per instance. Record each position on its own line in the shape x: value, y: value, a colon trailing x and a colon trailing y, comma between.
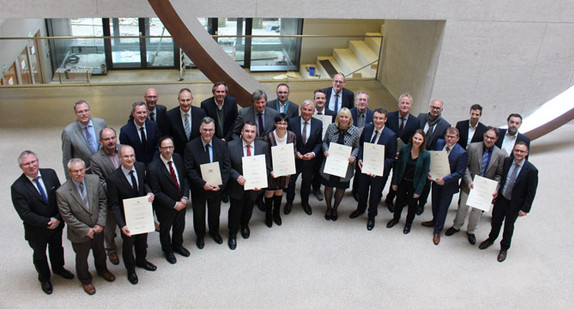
x: 342, y: 132
x: 411, y: 171
x: 274, y: 192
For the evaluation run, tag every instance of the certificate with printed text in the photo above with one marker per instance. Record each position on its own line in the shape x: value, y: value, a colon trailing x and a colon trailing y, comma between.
x: 255, y: 172
x: 338, y: 160
x: 211, y: 174
x: 139, y: 215
x: 326, y: 119
x: 373, y: 159
x: 480, y: 196
x: 283, y: 159
x: 439, y: 166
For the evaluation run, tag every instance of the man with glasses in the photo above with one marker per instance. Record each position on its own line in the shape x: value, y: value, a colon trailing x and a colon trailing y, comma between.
x: 156, y: 112
x: 338, y: 96
x: 282, y: 103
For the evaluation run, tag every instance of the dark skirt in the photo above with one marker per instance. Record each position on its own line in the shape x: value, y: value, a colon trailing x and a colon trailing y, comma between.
x: 334, y: 181
x: 279, y: 183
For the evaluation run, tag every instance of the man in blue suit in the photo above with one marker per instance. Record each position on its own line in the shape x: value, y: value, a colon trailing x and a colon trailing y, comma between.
x: 141, y: 133
x: 444, y: 188
x: 338, y: 96
x: 375, y: 133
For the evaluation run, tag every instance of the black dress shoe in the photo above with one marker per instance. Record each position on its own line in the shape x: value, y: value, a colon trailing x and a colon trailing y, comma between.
x: 245, y: 232
x: 232, y: 243
x: 181, y: 251
x: 420, y: 209
x: 200, y: 243
x: 334, y: 217
x: 451, y: 231
x: 147, y: 266
x: 471, y: 238
x: 287, y: 208
x: 355, y: 214
x: 407, y: 229
x: 318, y: 195
x: 501, y: 256
x: 392, y: 223
x: 133, y: 278
x: 307, y: 208
x: 485, y: 244
x: 170, y: 257
x: 47, y: 287
x: 370, y: 224
x: 327, y: 216
x: 66, y: 274
x: 217, y: 238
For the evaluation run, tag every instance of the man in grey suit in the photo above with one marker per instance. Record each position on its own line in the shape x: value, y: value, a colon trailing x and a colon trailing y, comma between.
x: 259, y: 113
x: 484, y: 159
x: 282, y: 103
x: 83, y: 206
x: 103, y: 163
x: 80, y: 138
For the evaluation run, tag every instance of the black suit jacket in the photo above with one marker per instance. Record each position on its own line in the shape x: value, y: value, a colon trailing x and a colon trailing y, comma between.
x: 347, y: 97
x: 315, y: 139
x: 463, y: 126
x: 292, y: 107
x: 229, y: 115
x: 195, y: 156
x: 162, y: 185
x: 248, y: 114
x: 328, y: 112
x: 393, y: 122
x: 129, y: 136
x: 438, y: 132
x: 31, y: 207
x: 119, y: 188
x: 368, y: 116
x: 160, y: 118
x: 387, y: 138
x: 525, y: 185
x: 235, y: 148
x: 176, y: 130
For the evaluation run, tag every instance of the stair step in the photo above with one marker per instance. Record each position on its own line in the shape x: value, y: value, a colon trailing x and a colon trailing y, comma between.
x: 374, y: 43
x: 363, y: 51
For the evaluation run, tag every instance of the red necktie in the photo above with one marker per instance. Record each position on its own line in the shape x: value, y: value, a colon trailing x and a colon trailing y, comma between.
x: 172, y: 172
x: 248, y: 150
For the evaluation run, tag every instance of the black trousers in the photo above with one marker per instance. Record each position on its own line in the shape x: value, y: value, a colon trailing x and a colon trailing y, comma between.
x: 405, y: 194
x: 307, y: 171
x: 139, y: 243
x: 503, y: 211
x: 170, y: 220
x: 371, y: 189
x: 53, y: 241
x: 213, y: 200
x: 82, y: 250
x: 240, y: 211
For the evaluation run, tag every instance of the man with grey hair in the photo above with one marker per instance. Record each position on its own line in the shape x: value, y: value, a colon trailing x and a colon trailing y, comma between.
x: 142, y: 134
x: 258, y: 112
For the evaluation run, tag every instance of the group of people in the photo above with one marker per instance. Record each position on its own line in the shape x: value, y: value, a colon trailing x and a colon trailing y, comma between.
x: 163, y: 155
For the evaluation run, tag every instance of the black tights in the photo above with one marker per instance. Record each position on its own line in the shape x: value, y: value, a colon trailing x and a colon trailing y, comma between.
x: 338, y: 197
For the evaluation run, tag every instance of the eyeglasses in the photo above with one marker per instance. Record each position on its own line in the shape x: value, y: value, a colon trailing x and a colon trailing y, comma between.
x: 167, y: 147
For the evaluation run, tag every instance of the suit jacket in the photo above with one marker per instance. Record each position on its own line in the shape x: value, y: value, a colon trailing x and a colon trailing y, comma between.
x: 494, y: 169
x: 292, y: 109
x: 195, y: 156
x: 31, y: 207
x: 457, y: 160
x: 162, y: 185
x: 525, y: 185
x: 160, y: 119
x: 129, y: 136
x: 438, y: 132
x: 412, y: 124
x: 463, y: 126
x: 75, y: 213
x: 347, y: 98
x: 387, y: 138
x: 315, y: 139
x: 519, y: 138
x: 328, y: 112
x: 176, y: 130
x: 229, y: 115
x: 75, y: 144
x: 422, y: 168
x: 102, y: 166
x: 248, y: 114
x: 235, y: 148
x: 119, y: 188
x: 368, y: 116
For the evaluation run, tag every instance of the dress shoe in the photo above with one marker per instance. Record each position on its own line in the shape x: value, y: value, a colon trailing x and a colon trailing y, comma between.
x: 225, y: 198
x: 287, y: 208
x: 114, y: 258
x: 328, y: 216
x: 133, y: 278
x: 318, y: 195
x: 200, y: 243
x: 170, y: 257
x: 501, y: 256
x: 64, y: 273
x: 485, y: 244
x: 307, y: 208
x: 89, y: 289
x: 232, y: 243
x: 420, y: 209
x: 370, y: 224
x: 428, y: 223
x: 355, y: 214
x: 334, y: 217
x: 108, y: 276
x: 147, y: 266
x: 245, y: 232
x: 217, y: 238
x: 181, y: 251
x: 391, y: 223
x: 451, y: 231
x: 436, y: 239
x: 407, y: 229
x: 47, y: 287
x: 471, y: 238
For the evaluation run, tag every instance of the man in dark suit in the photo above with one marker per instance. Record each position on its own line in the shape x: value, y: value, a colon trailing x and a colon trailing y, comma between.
x: 509, y: 137
x: 338, y: 96
x: 83, y: 206
x: 142, y: 134
x: 223, y: 109
x: 374, y: 133
x: 202, y: 150
x: 156, y: 112
x: 282, y: 103
x: 320, y: 100
x: 242, y: 201
x: 259, y: 113
x: 127, y: 182
x: 515, y: 196
x: 103, y: 163
x: 307, y: 152
x: 80, y: 138
x: 34, y: 198
x: 184, y: 121
x: 166, y: 178
x: 443, y: 188
x: 362, y: 115
x: 471, y: 130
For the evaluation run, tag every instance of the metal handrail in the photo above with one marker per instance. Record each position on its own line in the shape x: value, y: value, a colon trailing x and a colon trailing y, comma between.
x: 167, y: 36
x: 357, y: 70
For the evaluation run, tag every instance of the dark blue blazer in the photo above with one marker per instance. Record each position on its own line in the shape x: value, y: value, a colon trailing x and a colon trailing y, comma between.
x: 229, y: 115
x: 368, y: 115
x: 160, y: 118
x: 176, y: 130
x: 119, y: 189
x: 195, y: 156
x: 315, y: 139
x: 347, y: 97
x: 162, y: 185
x: 387, y: 138
x: 129, y: 136
x: 235, y: 147
x: 409, y: 128
x: 524, y: 188
x: 457, y: 160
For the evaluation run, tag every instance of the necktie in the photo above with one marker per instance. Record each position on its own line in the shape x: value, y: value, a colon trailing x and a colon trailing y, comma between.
x: 320, y: 113
x: 447, y: 150
x: 402, y: 125
x: 209, y: 155
x: 172, y: 172
x: 42, y: 192
x: 134, y: 181
x: 144, y: 140
x: 510, y: 181
x: 484, y: 163
x: 305, y: 133
x: 91, y: 139
x: 84, y: 195
x: 260, y: 127
x: 374, y: 139
x: 187, y: 126
x: 336, y: 103
x: 248, y: 150
x: 151, y: 116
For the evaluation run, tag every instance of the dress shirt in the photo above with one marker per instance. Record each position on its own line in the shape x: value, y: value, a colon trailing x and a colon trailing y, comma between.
x: 165, y: 163
x: 77, y: 185
x: 127, y: 174
x: 138, y: 129
x: 332, y: 99
x: 244, y: 145
x: 508, y: 142
x: 115, y: 158
x: 90, y: 127
x: 510, y: 172
x: 152, y: 114
x: 40, y: 182
x: 471, y: 131
x: 305, y: 138
x: 361, y: 117
x: 378, y: 136
x: 257, y: 120
x: 210, y: 149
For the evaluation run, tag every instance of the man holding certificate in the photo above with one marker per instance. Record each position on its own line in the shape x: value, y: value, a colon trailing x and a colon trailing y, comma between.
x: 128, y: 182
x: 207, y: 168
x: 374, y: 134
x: 242, y: 200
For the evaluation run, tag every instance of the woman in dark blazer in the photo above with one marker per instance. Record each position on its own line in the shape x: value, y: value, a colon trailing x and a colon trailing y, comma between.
x: 276, y: 185
x: 411, y: 172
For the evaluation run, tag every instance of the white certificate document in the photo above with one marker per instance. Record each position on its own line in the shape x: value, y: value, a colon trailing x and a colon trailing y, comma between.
x: 326, y: 119
x: 338, y: 159
x: 481, y: 194
x: 373, y: 159
x: 439, y: 166
x: 211, y: 174
x: 283, y: 158
x: 255, y: 172
x: 139, y: 215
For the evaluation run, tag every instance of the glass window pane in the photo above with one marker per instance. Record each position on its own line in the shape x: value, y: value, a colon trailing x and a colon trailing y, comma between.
x: 233, y: 46
x: 125, y: 51
x: 159, y: 51
x: 275, y: 53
